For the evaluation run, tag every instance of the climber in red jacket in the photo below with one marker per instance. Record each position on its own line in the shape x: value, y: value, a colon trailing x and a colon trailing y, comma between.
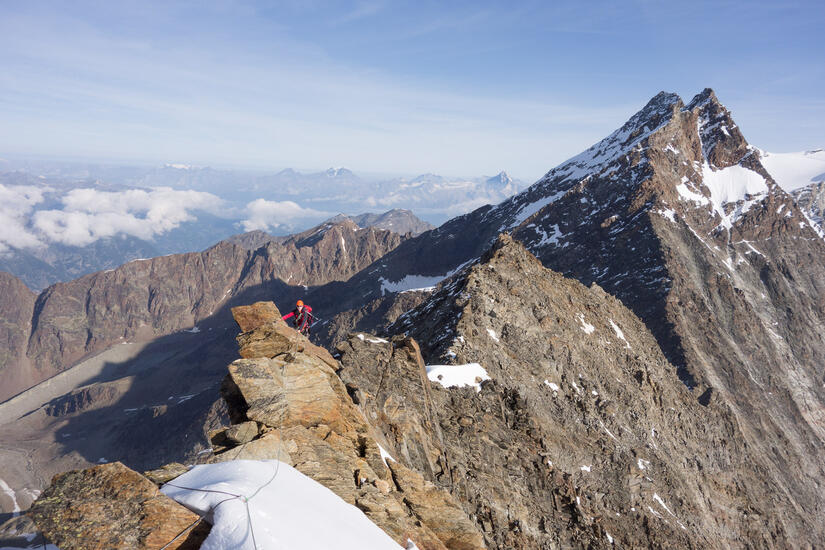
x: 303, y: 317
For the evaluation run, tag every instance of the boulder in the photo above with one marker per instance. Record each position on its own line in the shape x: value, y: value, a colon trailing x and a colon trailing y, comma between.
x: 253, y: 316
x: 111, y: 506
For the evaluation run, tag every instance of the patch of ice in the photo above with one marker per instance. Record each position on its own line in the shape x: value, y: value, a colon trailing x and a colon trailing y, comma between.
x: 451, y: 376
x: 193, y: 330
x: 585, y: 468
x: 642, y: 463
x: 492, y: 334
x: 609, y: 538
x: 277, y: 507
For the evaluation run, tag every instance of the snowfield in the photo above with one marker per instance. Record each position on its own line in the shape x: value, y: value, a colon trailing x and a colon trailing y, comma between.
x: 263, y: 504
x: 793, y: 171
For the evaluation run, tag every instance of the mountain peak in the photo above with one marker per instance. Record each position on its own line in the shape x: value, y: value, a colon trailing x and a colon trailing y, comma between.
x: 502, y: 179
x: 339, y: 173
x: 705, y: 96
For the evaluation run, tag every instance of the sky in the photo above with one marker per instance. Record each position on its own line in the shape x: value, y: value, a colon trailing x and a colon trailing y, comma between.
x: 456, y: 88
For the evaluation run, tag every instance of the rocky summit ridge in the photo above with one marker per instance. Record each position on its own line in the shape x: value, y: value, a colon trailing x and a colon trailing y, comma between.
x: 572, y: 432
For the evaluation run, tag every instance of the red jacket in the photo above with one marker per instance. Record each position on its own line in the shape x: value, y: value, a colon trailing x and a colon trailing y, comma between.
x: 302, y: 318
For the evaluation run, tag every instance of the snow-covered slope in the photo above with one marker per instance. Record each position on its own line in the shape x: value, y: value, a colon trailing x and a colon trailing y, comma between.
x: 257, y: 504
x: 793, y: 171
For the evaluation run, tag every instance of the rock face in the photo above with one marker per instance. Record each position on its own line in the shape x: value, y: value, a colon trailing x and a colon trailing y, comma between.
x: 16, y: 309
x: 583, y: 436
x: 307, y: 418
x: 811, y: 200
x: 111, y: 506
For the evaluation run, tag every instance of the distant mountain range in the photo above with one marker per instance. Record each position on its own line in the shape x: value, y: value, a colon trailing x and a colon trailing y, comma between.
x: 70, y: 220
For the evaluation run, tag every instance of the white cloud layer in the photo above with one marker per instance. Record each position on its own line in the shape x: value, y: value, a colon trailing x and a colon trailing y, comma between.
x: 90, y: 214
x: 16, y: 203
x: 264, y: 215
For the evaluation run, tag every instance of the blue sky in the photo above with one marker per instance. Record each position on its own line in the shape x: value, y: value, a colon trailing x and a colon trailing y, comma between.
x: 392, y: 87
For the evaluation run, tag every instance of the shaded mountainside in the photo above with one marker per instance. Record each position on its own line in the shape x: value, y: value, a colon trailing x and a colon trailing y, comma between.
x: 144, y: 299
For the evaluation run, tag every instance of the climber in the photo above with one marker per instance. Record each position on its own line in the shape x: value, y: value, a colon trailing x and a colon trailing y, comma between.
x: 303, y: 317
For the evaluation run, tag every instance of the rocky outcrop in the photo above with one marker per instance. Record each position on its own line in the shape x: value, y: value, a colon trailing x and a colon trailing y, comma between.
x: 306, y: 417
x: 111, y: 506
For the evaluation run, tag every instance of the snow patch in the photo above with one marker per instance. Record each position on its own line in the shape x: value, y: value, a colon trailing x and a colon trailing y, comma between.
x: 492, y: 334
x: 385, y: 455
x: 585, y: 468
x: 12, y: 495
x: 375, y: 340
x: 193, y: 330
x: 661, y: 502
x: 552, y: 385
x: 276, y: 507
x: 619, y: 333
x: 452, y: 376
x: 586, y: 327
x: 730, y: 185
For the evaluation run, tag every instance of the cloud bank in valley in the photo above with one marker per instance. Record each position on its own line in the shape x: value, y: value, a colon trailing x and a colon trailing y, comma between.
x: 87, y: 215
x: 16, y: 204
x: 265, y: 215
x: 90, y: 214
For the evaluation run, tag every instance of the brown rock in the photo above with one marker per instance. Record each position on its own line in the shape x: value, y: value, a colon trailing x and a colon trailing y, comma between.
x: 276, y: 338
x: 253, y: 316
x: 235, y: 435
x: 437, y: 509
x: 111, y: 506
x: 303, y: 391
x: 166, y: 473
